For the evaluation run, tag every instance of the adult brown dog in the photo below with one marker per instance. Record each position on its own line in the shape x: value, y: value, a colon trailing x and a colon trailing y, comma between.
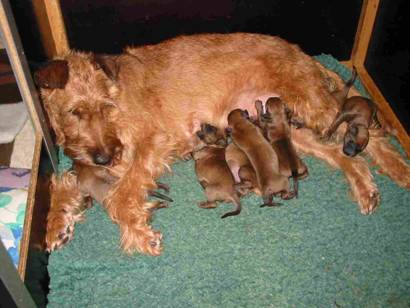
x: 136, y: 112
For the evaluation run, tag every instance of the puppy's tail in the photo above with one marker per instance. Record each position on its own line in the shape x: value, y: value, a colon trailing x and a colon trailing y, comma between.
x: 341, y: 95
x: 238, y: 208
x: 352, y: 79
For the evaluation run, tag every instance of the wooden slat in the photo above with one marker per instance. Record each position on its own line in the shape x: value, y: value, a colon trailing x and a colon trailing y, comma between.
x: 51, y: 25
x: 364, y: 31
x: 23, y: 77
x: 24, y: 243
x: 384, y: 107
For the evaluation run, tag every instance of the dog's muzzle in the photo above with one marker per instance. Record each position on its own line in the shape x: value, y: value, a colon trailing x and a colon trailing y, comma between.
x: 102, y: 159
x: 351, y: 149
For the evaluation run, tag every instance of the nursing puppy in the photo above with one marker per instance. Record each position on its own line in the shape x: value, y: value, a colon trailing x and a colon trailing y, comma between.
x: 263, y: 158
x: 212, y: 171
x: 241, y: 169
x: 95, y: 182
x: 275, y: 125
x: 360, y: 113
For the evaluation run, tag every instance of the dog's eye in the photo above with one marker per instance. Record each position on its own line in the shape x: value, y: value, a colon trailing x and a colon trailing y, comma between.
x: 107, y: 109
x: 78, y: 112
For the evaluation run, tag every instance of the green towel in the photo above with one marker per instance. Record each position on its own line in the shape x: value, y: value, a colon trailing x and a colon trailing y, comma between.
x: 315, y: 251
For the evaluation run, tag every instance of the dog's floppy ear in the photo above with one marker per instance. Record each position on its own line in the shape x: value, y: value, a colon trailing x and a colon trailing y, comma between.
x: 108, y: 64
x: 54, y: 75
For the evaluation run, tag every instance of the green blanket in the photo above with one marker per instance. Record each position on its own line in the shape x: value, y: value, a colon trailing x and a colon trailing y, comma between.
x: 316, y: 251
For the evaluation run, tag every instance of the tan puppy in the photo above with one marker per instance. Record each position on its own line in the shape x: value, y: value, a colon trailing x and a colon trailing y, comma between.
x: 96, y: 182
x: 263, y: 158
x: 360, y: 113
x: 241, y: 169
x: 275, y: 125
x: 213, y: 172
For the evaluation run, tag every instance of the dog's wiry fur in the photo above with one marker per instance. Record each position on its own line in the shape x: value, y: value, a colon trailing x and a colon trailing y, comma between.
x: 144, y: 112
x: 67, y: 206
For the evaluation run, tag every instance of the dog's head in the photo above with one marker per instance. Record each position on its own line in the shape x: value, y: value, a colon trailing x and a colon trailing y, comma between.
x: 355, y: 140
x: 78, y: 92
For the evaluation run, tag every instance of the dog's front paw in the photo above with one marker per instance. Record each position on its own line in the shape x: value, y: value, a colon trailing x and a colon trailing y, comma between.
x: 60, y: 229
x: 144, y: 240
x: 369, y: 202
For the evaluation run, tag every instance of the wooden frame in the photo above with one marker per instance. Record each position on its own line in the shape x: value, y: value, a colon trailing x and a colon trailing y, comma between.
x: 21, y: 71
x: 358, y: 58
x: 28, y: 92
x: 54, y: 38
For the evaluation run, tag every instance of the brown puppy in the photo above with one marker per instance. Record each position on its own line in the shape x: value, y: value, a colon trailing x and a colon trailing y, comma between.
x: 263, y: 158
x: 96, y: 182
x: 213, y: 172
x: 275, y: 125
x: 360, y: 113
x: 241, y: 169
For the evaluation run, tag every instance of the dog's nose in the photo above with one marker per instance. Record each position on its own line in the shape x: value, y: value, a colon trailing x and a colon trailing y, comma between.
x: 102, y: 159
x: 350, y: 149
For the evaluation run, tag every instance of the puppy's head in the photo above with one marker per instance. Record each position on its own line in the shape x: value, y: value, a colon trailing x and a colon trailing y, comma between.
x: 236, y: 116
x: 78, y: 92
x: 276, y: 111
x: 355, y: 140
x: 210, y: 135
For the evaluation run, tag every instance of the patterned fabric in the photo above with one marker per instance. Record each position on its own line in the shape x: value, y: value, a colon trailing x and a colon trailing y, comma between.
x: 13, y: 199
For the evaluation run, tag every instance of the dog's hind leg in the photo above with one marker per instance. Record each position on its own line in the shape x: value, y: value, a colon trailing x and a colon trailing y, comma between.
x: 389, y: 160
x: 356, y: 170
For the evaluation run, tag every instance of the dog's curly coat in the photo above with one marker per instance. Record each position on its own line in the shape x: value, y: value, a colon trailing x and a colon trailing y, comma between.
x: 136, y: 112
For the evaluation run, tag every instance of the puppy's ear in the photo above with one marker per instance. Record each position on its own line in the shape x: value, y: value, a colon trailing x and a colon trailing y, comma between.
x: 210, y: 129
x: 245, y: 114
x: 200, y: 134
x: 108, y: 64
x: 259, y: 108
x: 288, y: 113
x: 54, y: 75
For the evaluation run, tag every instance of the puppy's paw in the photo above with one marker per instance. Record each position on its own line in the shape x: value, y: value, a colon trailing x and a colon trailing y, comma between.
x: 60, y: 229
x: 207, y: 205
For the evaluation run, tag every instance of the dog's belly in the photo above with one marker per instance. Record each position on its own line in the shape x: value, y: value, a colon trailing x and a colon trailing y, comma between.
x: 247, y: 100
